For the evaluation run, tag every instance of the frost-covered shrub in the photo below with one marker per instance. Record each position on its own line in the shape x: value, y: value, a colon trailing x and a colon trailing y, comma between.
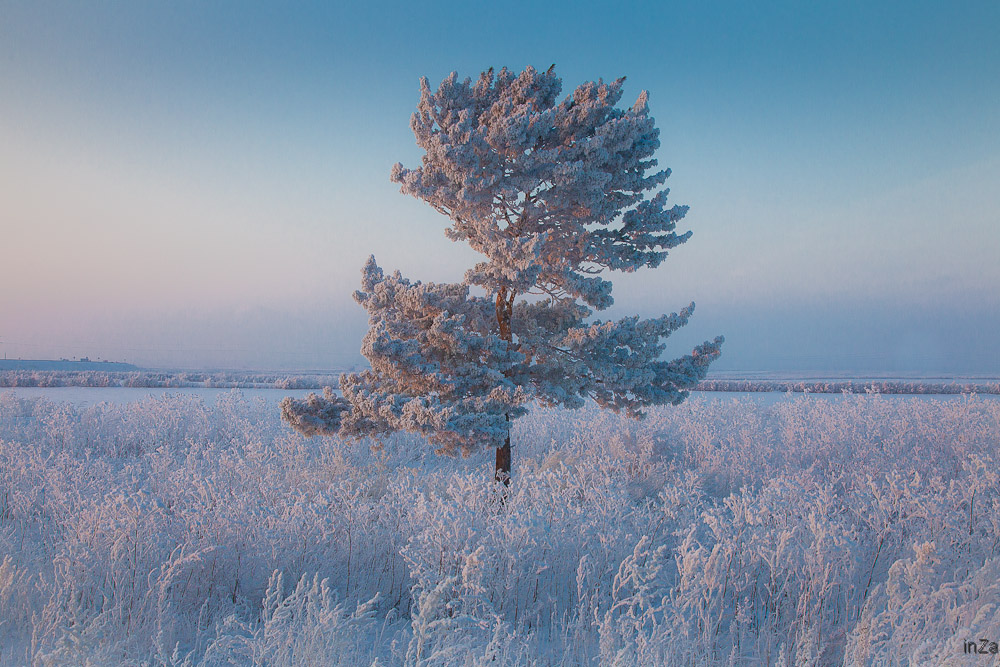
x: 305, y: 626
x: 858, y: 529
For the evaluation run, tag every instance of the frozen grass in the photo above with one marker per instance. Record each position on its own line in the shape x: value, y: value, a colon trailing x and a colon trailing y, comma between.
x: 859, y: 530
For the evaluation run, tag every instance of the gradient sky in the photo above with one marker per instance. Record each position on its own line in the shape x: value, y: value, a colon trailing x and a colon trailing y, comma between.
x: 197, y: 184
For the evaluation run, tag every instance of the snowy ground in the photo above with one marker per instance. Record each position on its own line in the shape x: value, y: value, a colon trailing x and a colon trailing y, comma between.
x: 861, y: 530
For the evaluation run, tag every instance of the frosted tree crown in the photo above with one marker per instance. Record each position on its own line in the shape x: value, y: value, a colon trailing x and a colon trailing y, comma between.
x: 552, y: 194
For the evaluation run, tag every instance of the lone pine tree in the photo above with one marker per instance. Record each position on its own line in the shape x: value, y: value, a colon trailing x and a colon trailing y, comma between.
x: 552, y: 193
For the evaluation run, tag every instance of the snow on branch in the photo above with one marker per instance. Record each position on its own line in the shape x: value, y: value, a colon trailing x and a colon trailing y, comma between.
x: 552, y: 192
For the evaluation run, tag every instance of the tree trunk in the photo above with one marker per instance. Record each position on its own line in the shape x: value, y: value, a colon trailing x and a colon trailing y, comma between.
x: 502, y: 473
x: 505, y: 307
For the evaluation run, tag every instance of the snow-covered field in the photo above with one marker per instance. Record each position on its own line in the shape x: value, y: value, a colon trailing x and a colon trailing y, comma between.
x: 862, y: 530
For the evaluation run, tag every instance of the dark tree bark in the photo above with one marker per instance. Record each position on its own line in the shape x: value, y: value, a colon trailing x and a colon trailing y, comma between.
x: 502, y: 473
x: 505, y: 307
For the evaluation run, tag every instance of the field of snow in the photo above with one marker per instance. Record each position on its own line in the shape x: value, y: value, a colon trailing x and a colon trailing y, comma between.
x: 172, y: 531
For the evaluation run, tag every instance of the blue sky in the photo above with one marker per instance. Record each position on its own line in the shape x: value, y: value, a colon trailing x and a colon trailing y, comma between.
x: 196, y: 184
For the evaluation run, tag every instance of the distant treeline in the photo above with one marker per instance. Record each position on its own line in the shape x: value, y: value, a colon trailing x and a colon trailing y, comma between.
x: 84, y: 364
x: 250, y: 380
x: 154, y: 379
x: 852, y: 386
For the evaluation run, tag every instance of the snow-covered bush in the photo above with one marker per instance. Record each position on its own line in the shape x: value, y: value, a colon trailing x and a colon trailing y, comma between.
x: 857, y: 529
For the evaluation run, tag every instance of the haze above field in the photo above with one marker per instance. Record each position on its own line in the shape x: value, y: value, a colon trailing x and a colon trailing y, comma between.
x: 197, y: 185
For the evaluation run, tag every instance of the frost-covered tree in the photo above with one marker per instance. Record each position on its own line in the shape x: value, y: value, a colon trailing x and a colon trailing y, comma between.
x: 553, y: 193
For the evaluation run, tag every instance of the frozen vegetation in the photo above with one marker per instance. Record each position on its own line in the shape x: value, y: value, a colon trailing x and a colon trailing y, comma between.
x: 862, y: 530
x: 855, y: 386
x: 166, y: 379
x: 289, y: 380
